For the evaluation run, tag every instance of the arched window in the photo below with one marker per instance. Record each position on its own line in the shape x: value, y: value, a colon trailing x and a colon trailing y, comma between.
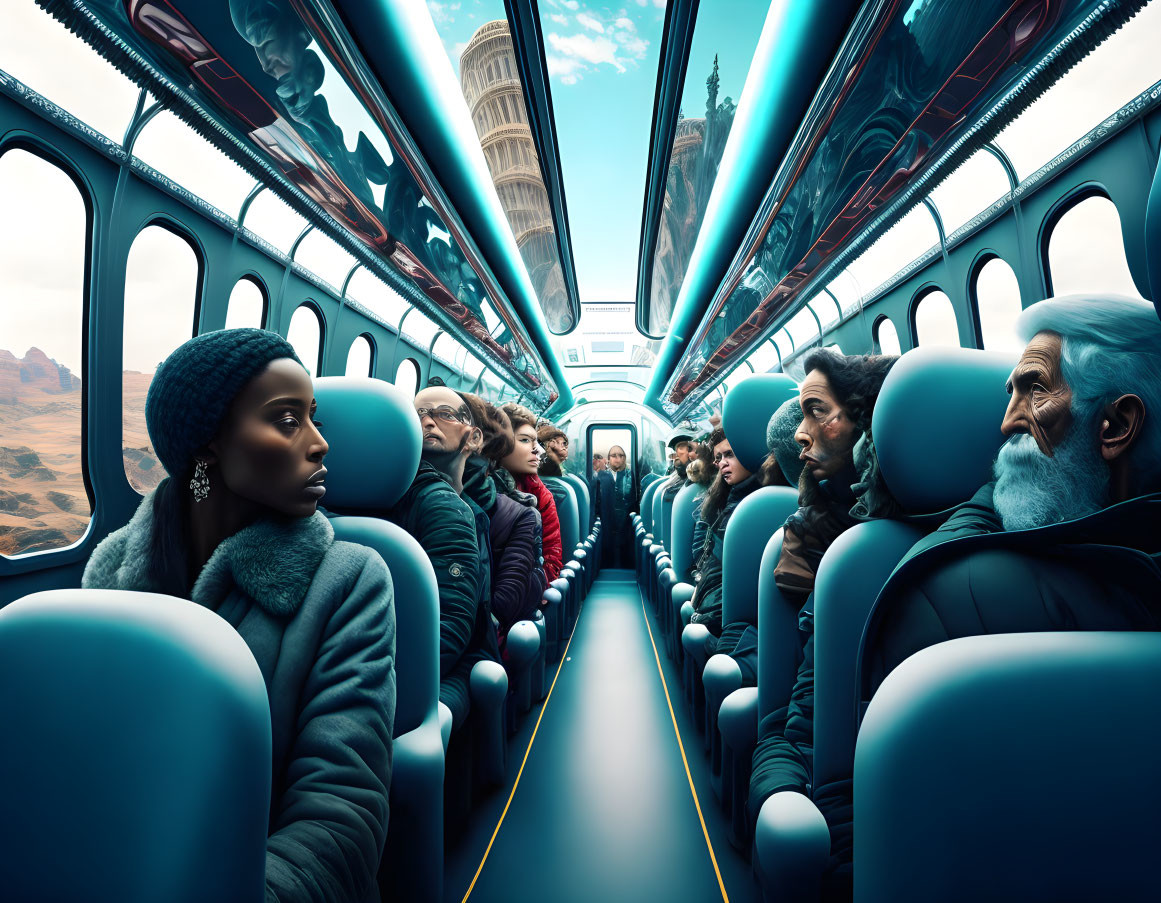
x: 162, y: 277
x: 42, y: 312
x: 886, y: 337
x: 1086, y: 252
x: 306, y: 335
x: 361, y: 357
x: 407, y: 378
x: 997, y: 297
x: 247, y: 304
x: 935, y: 321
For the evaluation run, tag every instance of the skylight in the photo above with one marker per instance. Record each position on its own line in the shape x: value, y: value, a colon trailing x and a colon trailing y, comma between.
x: 480, y: 48
x: 724, y: 39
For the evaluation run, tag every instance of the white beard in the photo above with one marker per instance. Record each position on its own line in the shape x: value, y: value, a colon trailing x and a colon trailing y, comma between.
x: 1033, y: 490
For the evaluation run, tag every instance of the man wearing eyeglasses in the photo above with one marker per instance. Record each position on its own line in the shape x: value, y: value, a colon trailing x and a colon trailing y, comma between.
x: 453, y: 533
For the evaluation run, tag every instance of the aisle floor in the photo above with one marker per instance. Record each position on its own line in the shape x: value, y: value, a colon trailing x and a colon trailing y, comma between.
x: 603, y: 808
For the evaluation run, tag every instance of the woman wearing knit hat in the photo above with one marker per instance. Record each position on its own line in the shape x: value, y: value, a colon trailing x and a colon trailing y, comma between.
x: 235, y: 528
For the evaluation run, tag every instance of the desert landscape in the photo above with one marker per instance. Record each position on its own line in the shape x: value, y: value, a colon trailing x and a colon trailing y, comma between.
x: 43, y: 503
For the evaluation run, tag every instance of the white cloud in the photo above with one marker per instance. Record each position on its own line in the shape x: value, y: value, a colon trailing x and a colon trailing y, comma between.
x: 625, y: 23
x: 590, y: 23
x: 574, y: 5
x: 568, y: 68
x: 440, y: 12
x: 558, y: 18
x: 634, y: 45
x: 660, y: 4
x: 591, y: 50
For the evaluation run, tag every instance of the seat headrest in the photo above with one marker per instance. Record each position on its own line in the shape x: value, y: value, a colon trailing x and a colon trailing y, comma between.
x: 748, y: 409
x: 937, y: 424
x: 375, y: 442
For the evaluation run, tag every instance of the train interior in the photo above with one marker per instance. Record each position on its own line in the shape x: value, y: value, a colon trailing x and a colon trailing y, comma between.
x: 637, y: 221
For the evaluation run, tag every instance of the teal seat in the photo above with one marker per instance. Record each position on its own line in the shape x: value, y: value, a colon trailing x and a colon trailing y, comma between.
x: 930, y: 463
x: 366, y: 422
x: 680, y: 590
x: 974, y: 781
x: 568, y: 512
x: 748, y: 409
x: 135, y: 764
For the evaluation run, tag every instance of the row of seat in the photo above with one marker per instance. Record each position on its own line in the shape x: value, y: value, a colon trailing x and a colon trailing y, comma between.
x: 125, y: 769
x: 931, y: 462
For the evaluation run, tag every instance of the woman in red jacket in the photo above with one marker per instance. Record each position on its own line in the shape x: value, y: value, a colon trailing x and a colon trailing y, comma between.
x: 522, y: 464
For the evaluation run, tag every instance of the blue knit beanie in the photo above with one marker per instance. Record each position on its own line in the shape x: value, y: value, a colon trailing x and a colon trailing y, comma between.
x: 194, y: 387
x: 780, y: 439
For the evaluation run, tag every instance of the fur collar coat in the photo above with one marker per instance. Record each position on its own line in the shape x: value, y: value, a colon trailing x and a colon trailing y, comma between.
x: 319, y: 617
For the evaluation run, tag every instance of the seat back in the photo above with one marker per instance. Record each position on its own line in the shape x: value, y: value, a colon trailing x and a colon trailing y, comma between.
x: 667, y: 499
x: 367, y: 422
x: 757, y: 518
x: 930, y: 462
x: 979, y: 736
x: 568, y: 512
x: 779, y: 647
x: 648, y: 480
x: 658, y: 519
x: 748, y: 409
x: 681, y: 531
x: 584, y: 502
x: 135, y: 764
x: 647, y: 506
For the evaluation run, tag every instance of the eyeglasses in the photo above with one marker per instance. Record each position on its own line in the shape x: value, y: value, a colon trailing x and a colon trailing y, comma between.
x: 446, y: 413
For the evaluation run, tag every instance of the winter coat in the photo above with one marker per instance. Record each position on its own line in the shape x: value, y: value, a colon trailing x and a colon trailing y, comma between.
x: 549, y: 521
x: 319, y: 617
x: 445, y: 526
x: 549, y: 468
x: 517, y: 571
x: 707, y: 600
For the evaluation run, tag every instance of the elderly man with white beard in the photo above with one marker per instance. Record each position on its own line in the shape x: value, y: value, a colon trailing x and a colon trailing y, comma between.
x: 1068, y: 535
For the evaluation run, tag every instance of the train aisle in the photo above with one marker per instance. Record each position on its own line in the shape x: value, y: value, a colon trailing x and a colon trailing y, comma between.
x: 603, y: 808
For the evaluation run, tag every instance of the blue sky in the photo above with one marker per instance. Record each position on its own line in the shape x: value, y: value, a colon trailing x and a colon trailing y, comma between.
x: 603, y: 62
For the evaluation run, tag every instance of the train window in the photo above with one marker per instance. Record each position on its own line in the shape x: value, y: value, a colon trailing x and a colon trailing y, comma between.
x: 247, y: 305
x: 377, y: 296
x: 886, y: 337
x: 306, y: 335
x: 978, y: 183
x: 826, y: 309
x: 323, y: 256
x: 904, y: 242
x: 361, y: 357
x: 162, y: 278
x: 43, y: 501
x: 407, y: 378
x: 54, y: 62
x: 1086, y: 252
x: 177, y: 151
x: 802, y: 328
x: 445, y: 349
x: 764, y: 358
x: 997, y: 298
x: 846, y: 291
x: 935, y: 321
x: 419, y: 329
x: 601, y: 439
x: 272, y: 219
x: 1123, y: 66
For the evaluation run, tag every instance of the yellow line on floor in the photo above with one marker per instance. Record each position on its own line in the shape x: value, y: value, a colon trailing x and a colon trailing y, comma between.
x: 531, y: 740
x: 684, y: 760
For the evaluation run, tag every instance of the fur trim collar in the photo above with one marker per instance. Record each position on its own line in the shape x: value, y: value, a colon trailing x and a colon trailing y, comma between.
x: 272, y: 561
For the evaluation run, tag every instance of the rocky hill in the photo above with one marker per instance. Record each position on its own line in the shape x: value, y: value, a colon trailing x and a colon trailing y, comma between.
x: 43, y: 501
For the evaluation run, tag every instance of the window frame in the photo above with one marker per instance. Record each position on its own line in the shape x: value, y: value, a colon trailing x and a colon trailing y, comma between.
x: 28, y: 562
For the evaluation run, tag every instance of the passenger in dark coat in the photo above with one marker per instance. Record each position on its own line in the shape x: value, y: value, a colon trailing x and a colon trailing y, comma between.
x: 732, y: 484
x: 1067, y: 536
x: 617, y: 501
x: 234, y: 527
x: 522, y: 464
x: 517, y: 563
x: 839, y: 485
x: 445, y: 525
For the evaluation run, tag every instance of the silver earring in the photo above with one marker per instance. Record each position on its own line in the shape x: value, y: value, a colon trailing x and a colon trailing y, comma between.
x: 200, y: 484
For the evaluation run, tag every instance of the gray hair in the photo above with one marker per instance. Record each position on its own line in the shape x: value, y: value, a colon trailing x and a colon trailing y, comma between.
x: 1111, y: 346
